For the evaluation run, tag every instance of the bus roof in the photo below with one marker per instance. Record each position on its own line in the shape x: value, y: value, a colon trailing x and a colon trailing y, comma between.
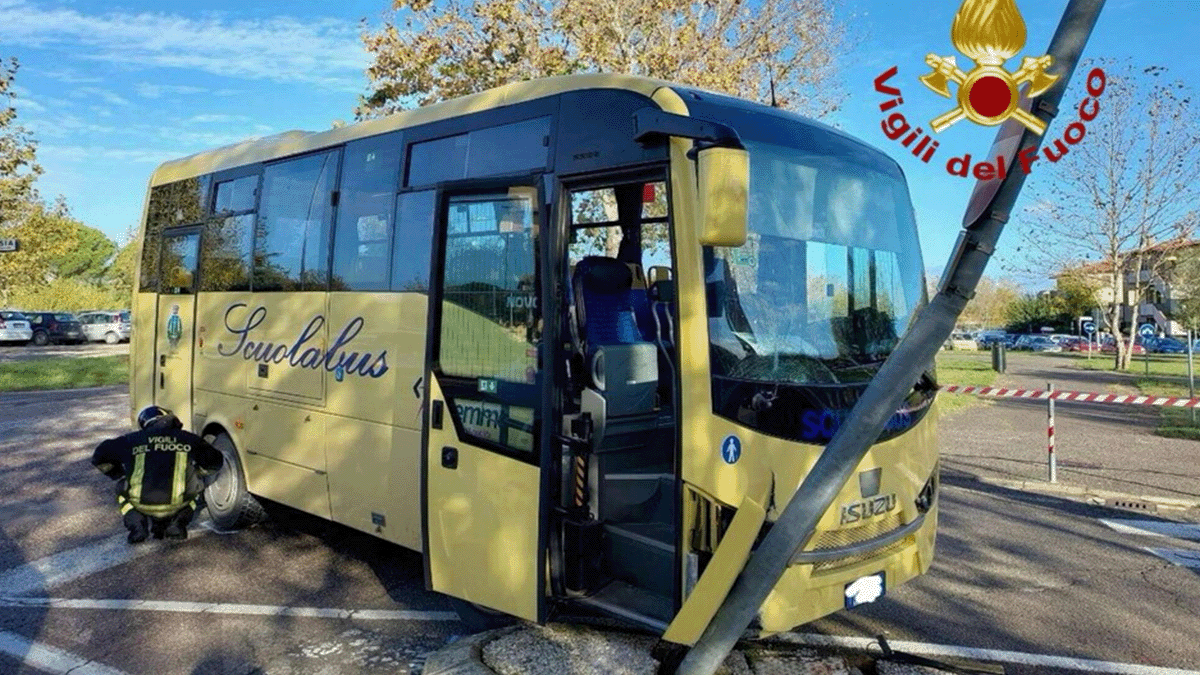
x: 296, y: 142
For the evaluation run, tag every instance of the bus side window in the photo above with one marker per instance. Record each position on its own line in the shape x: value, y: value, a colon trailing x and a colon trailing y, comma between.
x: 179, y: 203
x: 291, y: 240
x: 414, y: 231
x: 362, y: 242
x: 229, y: 236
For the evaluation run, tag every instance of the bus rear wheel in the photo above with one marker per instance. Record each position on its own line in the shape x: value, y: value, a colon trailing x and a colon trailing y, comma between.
x: 230, y: 504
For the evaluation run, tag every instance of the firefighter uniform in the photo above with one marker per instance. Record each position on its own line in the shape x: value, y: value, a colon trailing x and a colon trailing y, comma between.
x: 160, y: 471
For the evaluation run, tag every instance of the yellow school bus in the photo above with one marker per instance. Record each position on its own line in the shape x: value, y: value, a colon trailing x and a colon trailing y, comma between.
x: 577, y: 340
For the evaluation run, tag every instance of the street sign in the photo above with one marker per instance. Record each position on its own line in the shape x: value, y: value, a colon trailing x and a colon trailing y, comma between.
x: 1146, y: 330
x: 8, y: 245
x: 1089, y: 327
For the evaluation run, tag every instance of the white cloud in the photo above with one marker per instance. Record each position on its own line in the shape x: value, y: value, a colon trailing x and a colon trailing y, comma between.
x: 148, y: 90
x: 81, y: 153
x: 217, y: 118
x: 103, y: 94
x: 321, y: 52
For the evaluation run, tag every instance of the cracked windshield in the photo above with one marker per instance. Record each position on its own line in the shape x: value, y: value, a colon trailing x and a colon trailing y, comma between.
x: 827, y: 280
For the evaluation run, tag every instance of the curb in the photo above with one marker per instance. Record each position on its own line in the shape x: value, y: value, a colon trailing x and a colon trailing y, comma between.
x: 465, y: 655
x: 1167, y: 503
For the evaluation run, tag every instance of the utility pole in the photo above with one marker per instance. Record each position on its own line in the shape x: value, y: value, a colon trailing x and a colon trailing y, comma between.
x: 884, y: 395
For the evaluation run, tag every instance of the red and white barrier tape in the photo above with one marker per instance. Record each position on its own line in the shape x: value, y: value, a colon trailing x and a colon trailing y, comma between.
x: 1075, y: 396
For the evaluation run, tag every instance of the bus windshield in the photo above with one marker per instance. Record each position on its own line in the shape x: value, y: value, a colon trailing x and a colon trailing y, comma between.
x: 828, y: 278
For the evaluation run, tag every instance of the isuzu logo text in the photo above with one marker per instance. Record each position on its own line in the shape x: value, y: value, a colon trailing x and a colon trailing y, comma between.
x: 865, y: 508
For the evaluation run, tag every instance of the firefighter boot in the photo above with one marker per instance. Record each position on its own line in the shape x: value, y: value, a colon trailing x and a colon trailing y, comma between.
x: 138, y: 528
x: 177, y: 525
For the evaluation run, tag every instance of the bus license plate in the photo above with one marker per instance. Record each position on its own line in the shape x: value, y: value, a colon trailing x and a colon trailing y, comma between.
x: 865, y: 589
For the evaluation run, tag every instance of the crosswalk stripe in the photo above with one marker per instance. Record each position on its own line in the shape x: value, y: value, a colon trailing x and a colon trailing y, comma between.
x: 50, y: 659
x: 1154, y: 528
x: 1178, y: 556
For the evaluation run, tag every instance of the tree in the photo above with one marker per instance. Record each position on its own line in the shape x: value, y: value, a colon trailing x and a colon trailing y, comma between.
x: 44, y: 235
x: 18, y: 152
x: 427, y: 52
x: 1126, y: 194
x: 89, y: 254
x: 1029, y: 313
x: 989, y: 307
x: 119, y: 274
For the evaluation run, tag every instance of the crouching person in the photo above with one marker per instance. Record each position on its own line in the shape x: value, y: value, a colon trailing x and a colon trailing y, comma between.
x: 160, y: 472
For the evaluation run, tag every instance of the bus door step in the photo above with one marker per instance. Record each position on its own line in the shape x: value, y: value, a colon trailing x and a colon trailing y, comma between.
x: 633, y: 604
x: 642, y: 554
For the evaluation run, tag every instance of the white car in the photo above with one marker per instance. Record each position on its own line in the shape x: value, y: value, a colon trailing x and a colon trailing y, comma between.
x: 111, y: 327
x: 14, y: 327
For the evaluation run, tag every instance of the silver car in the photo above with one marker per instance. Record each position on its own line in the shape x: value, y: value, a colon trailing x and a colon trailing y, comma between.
x: 111, y: 327
x: 14, y: 327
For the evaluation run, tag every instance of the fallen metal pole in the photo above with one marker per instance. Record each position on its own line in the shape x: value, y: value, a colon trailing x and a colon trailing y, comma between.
x: 892, y: 384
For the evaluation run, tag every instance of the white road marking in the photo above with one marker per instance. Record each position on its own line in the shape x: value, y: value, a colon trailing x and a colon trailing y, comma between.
x: 54, y: 570
x: 50, y: 659
x: 219, y: 608
x: 1179, y: 556
x: 1155, y: 528
x: 993, y: 655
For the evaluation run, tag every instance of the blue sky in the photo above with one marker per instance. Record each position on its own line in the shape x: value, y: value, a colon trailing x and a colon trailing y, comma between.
x: 111, y: 89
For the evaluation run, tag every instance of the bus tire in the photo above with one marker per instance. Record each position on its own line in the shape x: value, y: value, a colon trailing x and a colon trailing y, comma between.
x: 479, y: 619
x: 230, y: 504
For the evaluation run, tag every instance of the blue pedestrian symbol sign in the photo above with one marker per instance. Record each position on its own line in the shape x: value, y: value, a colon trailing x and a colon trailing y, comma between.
x: 731, y: 449
x: 1089, y: 327
x: 1146, y: 330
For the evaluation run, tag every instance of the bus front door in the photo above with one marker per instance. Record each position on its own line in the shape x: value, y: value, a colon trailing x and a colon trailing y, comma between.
x: 483, y: 486
x: 175, y: 327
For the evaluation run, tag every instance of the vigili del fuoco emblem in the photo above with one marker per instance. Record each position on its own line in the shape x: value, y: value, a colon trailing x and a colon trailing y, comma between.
x: 989, y: 32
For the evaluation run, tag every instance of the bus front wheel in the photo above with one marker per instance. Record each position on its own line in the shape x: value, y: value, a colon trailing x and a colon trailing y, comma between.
x: 479, y: 618
x: 230, y: 504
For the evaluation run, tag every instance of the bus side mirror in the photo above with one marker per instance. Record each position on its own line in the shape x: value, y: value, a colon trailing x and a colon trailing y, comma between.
x: 723, y: 182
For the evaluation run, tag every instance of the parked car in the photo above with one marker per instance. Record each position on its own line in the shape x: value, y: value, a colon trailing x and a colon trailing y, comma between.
x: 987, y: 339
x: 960, y: 340
x: 14, y: 327
x: 1022, y: 342
x: 1067, y: 341
x: 55, y: 327
x: 111, y: 327
x: 1110, y: 347
x: 1166, y: 345
x: 1042, y: 343
x: 1083, y: 345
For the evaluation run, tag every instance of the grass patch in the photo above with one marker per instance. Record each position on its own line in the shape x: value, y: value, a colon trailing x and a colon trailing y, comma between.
x: 64, y: 373
x: 970, y: 369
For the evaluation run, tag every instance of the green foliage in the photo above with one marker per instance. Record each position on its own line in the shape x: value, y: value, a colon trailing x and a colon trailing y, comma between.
x: 118, y: 276
x: 18, y: 153
x: 1030, y: 313
x: 428, y: 52
x: 68, y: 295
x: 88, y: 257
x: 1075, y: 296
x: 44, y: 235
x: 63, y: 373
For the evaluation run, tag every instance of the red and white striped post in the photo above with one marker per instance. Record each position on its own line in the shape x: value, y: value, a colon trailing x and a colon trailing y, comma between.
x: 1050, y: 433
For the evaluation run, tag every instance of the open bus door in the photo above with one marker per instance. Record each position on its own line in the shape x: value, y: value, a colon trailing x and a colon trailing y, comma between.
x: 176, y: 322
x: 485, y: 496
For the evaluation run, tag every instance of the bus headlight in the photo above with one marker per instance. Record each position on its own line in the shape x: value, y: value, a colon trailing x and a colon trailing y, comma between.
x: 928, y: 493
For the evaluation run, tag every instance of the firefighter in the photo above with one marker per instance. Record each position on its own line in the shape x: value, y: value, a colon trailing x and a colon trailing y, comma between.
x: 160, y: 471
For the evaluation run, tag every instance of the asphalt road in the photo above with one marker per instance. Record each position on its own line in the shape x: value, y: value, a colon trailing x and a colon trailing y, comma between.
x: 1015, y: 571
